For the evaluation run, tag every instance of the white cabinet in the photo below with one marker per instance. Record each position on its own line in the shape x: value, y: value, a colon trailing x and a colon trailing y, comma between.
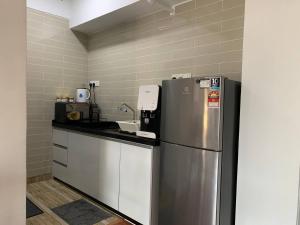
x: 60, y: 171
x: 60, y: 137
x: 109, y: 173
x: 122, y: 176
x: 60, y: 154
x: 83, y: 163
x: 136, y: 183
x: 94, y: 167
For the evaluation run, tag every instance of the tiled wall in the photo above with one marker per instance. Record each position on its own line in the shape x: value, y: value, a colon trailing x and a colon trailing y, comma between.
x: 204, y: 38
x: 56, y: 65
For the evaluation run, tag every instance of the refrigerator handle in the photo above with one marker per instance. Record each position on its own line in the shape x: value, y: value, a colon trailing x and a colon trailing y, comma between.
x: 298, y: 206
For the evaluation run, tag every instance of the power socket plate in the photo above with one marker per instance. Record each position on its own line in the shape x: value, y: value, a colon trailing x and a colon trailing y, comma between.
x: 181, y: 75
x: 96, y: 82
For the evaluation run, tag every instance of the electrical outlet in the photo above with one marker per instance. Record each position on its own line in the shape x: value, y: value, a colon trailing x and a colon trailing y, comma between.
x: 96, y: 82
x: 181, y: 75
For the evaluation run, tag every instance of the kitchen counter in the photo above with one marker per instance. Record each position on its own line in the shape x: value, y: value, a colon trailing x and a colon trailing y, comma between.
x: 105, y: 129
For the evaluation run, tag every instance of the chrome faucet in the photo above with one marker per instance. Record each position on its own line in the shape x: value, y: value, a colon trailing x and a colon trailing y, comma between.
x: 124, y: 108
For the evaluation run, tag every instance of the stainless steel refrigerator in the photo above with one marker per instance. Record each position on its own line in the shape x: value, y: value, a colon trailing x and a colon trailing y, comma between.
x: 199, y: 141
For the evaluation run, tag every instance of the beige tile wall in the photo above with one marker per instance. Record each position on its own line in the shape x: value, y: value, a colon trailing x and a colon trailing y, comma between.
x: 204, y: 38
x: 56, y: 65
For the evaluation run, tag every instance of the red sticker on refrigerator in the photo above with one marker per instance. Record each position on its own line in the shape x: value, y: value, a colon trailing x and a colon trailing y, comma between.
x: 214, y: 99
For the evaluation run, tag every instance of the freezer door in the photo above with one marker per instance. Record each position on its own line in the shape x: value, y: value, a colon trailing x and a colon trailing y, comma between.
x: 189, y: 186
x: 189, y: 115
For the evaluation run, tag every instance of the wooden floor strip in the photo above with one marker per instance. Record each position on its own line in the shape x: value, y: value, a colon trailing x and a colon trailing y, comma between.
x: 59, y: 193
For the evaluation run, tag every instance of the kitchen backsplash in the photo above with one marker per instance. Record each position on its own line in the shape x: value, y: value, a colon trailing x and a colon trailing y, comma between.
x: 56, y: 65
x: 204, y: 38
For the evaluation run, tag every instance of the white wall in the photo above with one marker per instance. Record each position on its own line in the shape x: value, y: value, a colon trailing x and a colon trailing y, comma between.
x: 268, y: 172
x: 83, y: 11
x: 55, y: 7
x: 12, y: 112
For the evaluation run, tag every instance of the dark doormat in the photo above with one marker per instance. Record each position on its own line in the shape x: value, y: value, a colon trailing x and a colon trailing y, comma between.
x: 32, y: 209
x: 81, y: 212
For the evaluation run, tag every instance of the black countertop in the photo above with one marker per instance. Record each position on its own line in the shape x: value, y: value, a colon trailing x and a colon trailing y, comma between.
x: 105, y: 129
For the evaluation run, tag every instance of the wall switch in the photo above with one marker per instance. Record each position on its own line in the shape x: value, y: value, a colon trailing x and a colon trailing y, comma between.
x: 181, y: 75
x: 96, y: 82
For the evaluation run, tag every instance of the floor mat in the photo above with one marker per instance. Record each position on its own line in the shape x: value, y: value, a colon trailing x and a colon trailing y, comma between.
x: 81, y: 212
x: 32, y: 209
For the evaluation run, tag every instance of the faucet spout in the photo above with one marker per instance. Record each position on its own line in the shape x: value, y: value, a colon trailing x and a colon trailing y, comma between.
x: 124, y: 108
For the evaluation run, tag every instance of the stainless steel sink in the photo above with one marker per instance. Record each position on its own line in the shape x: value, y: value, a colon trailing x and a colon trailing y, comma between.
x: 130, y: 126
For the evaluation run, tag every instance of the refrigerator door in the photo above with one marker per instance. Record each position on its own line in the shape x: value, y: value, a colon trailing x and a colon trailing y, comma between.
x: 192, y: 112
x: 189, y: 186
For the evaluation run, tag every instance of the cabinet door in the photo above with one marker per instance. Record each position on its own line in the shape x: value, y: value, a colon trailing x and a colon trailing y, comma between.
x: 94, y: 167
x: 109, y: 172
x: 135, y: 183
x: 83, y: 163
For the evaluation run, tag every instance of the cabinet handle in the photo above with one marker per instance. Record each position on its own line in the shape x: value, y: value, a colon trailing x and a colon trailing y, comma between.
x: 60, y: 146
x: 298, y: 206
x: 59, y: 163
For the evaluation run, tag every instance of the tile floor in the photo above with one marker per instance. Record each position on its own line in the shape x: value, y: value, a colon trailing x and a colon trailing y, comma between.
x: 50, y: 194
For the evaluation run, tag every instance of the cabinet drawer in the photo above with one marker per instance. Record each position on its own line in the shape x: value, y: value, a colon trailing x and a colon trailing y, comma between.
x: 60, y: 137
x: 60, y: 155
x: 59, y: 171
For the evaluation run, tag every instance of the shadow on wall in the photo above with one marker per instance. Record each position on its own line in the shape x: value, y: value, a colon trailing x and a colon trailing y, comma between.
x: 82, y: 38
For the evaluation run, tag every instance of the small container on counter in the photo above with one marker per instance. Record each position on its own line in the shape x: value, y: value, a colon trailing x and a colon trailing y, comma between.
x: 65, y: 99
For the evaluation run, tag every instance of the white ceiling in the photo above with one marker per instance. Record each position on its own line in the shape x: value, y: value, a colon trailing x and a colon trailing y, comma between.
x: 64, y: 8
x: 91, y: 16
x: 55, y: 7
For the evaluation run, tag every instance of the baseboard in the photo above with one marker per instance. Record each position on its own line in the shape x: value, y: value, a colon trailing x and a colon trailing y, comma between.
x: 39, y: 178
